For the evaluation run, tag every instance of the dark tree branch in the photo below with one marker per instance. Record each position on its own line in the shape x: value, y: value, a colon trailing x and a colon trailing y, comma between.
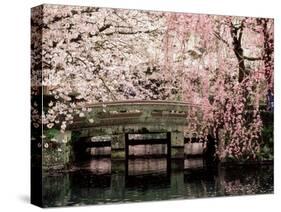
x: 107, y: 88
x: 130, y: 33
x: 68, y: 52
x: 252, y: 58
x: 77, y: 39
x: 218, y: 36
x: 90, y: 10
x: 236, y: 34
x: 82, y: 61
x: 57, y: 18
x: 241, y: 28
x: 104, y: 27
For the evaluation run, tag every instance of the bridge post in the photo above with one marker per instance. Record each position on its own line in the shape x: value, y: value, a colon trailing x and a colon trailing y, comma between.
x: 118, y: 147
x: 177, y: 145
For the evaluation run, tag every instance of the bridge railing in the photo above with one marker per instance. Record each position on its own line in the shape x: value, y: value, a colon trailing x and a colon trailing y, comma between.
x: 134, y: 111
x: 157, y: 105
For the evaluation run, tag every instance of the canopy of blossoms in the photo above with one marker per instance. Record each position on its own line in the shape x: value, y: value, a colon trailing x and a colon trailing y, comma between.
x: 224, y: 64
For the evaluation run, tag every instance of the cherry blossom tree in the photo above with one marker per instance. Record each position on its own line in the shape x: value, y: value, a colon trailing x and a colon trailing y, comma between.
x: 227, y: 71
x: 96, y: 55
x: 222, y: 64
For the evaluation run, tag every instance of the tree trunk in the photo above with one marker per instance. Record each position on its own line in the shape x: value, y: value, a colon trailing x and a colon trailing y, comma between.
x: 268, y: 51
x: 236, y: 34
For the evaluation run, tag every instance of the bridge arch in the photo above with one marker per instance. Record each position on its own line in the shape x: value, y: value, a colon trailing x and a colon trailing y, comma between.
x: 119, y: 119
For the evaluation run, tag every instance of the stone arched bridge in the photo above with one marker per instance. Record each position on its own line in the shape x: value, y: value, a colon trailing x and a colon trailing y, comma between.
x: 125, y: 118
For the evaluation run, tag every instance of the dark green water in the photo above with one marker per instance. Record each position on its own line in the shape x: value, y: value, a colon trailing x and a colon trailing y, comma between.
x: 100, y: 181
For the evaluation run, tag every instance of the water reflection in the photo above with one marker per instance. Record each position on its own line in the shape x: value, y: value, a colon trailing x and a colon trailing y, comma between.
x: 193, y: 163
x: 100, y: 151
x: 148, y: 149
x: 100, y: 181
x: 96, y: 166
x: 147, y: 166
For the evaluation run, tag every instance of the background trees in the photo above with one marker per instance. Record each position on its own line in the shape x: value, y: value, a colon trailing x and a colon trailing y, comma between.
x: 224, y: 68
x: 222, y: 63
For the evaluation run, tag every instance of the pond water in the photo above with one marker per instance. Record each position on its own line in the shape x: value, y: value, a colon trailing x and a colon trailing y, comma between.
x: 100, y: 181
